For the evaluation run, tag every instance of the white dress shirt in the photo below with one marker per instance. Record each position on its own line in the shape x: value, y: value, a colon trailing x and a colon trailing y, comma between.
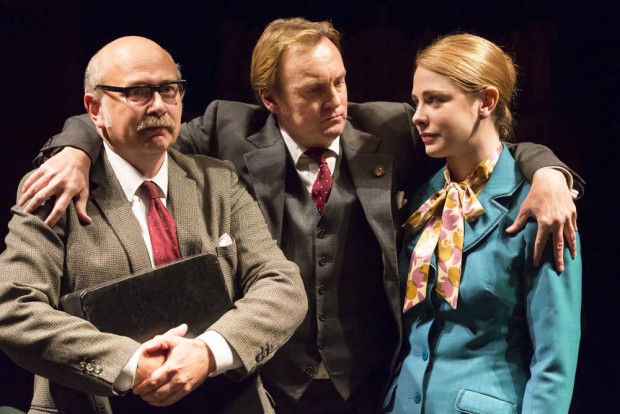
x: 307, y: 168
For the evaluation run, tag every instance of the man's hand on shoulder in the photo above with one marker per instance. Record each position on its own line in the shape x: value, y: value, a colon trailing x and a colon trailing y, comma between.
x: 550, y: 202
x: 65, y: 176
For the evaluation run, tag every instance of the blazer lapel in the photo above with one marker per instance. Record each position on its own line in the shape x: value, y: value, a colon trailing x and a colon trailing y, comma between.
x: 185, y: 207
x: 109, y: 196
x: 267, y: 169
x: 372, y: 177
x: 504, y: 181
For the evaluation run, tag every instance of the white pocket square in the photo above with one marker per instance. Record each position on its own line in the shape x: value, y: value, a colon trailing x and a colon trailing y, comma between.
x: 401, y: 201
x: 224, y: 240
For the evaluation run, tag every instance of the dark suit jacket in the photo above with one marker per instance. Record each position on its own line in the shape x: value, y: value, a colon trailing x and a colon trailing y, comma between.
x: 379, y: 142
x: 42, y: 263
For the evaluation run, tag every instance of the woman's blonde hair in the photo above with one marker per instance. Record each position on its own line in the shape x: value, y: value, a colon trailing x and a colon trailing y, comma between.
x: 475, y: 63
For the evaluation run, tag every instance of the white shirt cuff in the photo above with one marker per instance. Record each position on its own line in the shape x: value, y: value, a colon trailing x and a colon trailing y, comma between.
x: 124, y: 382
x: 225, y: 357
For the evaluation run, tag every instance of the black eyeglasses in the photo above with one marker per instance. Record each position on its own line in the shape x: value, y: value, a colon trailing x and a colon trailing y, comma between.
x: 139, y: 95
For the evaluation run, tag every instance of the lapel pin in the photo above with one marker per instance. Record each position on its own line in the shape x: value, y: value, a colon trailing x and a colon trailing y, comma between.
x: 379, y: 171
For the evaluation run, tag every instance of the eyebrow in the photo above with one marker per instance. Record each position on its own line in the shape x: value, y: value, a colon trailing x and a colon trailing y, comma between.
x: 431, y: 92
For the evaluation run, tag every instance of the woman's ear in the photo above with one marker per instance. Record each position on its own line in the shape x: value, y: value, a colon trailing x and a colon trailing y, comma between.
x: 490, y: 97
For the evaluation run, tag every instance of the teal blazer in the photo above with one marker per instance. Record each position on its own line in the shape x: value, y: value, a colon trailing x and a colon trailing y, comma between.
x: 511, y: 345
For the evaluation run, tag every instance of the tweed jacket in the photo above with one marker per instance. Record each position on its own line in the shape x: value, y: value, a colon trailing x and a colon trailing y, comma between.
x: 382, y: 149
x: 40, y: 264
x: 511, y: 345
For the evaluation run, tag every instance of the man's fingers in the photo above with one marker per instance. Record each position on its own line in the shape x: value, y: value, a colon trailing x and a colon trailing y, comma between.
x: 539, y: 245
x: 158, y: 378
x: 574, y: 220
x: 35, y: 194
x: 35, y: 201
x: 518, y: 224
x: 60, y: 206
x: 80, y: 206
x: 558, y: 248
x: 180, y: 330
x: 33, y: 179
x: 170, y: 398
x: 570, y: 235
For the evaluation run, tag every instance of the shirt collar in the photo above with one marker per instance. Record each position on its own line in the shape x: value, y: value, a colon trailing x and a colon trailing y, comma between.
x: 130, y: 179
x: 297, y: 150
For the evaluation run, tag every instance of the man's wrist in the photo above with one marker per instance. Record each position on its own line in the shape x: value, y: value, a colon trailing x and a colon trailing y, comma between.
x: 567, y: 176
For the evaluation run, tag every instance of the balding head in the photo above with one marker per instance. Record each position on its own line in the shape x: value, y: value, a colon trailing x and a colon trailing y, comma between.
x: 115, y: 55
x: 133, y: 94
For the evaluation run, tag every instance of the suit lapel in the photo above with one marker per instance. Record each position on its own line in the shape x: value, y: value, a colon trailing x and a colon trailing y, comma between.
x: 108, y: 195
x: 372, y: 177
x: 185, y: 207
x: 267, y: 169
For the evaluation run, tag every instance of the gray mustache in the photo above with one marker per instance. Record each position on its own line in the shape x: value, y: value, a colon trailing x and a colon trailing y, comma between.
x: 153, y: 121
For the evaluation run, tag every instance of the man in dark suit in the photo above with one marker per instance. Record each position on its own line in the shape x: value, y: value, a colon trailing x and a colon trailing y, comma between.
x: 340, y: 358
x: 133, y: 95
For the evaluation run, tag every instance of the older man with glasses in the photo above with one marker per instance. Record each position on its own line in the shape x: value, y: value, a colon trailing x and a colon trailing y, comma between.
x: 133, y: 95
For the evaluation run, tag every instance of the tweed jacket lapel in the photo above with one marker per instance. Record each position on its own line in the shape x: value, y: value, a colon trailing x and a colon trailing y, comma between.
x: 372, y: 177
x: 267, y: 169
x: 185, y: 207
x: 108, y: 195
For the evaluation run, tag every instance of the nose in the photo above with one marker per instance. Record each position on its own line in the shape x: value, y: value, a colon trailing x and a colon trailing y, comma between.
x: 157, y: 106
x: 333, y: 98
x: 419, y: 119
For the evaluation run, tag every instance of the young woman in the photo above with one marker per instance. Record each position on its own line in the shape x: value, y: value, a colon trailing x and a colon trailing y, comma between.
x: 485, y: 330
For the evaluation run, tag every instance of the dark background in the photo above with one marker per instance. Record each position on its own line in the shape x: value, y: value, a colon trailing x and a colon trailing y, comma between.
x: 567, y: 54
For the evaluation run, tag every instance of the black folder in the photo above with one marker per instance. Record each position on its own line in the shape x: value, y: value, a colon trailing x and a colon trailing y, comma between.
x: 149, y: 303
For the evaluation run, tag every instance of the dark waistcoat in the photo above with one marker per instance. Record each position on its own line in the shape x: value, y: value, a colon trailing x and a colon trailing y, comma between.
x: 349, y: 325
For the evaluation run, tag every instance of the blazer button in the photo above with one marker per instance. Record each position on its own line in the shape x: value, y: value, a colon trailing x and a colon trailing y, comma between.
x: 309, y: 371
x: 321, y: 233
x: 424, y: 355
x: 379, y: 171
x: 417, y: 398
x: 82, y: 366
x: 90, y: 367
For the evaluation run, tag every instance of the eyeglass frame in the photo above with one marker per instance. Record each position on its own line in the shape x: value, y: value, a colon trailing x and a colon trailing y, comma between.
x: 125, y: 90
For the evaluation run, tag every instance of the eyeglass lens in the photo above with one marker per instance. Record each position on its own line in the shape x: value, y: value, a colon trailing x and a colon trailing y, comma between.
x: 140, y: 95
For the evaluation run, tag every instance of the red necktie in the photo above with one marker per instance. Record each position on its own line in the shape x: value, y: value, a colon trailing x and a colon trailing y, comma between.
x: 162, y: 228
x: 323, y: 183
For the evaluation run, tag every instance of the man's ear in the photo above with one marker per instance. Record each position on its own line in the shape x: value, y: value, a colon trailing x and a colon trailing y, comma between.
x: 93, y: 107
x: 268, y: 96
x: 490, y: 97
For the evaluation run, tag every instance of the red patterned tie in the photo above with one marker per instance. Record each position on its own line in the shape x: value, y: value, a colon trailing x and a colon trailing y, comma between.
x: 162, y: 228
x: 323, y: 183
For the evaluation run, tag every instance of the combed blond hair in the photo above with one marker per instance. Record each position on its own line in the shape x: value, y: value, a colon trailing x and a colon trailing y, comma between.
x: 475, y: 63
x: 279, y: 36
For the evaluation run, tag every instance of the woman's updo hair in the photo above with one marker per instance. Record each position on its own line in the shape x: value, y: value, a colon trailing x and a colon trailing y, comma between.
x: 475, y: 63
